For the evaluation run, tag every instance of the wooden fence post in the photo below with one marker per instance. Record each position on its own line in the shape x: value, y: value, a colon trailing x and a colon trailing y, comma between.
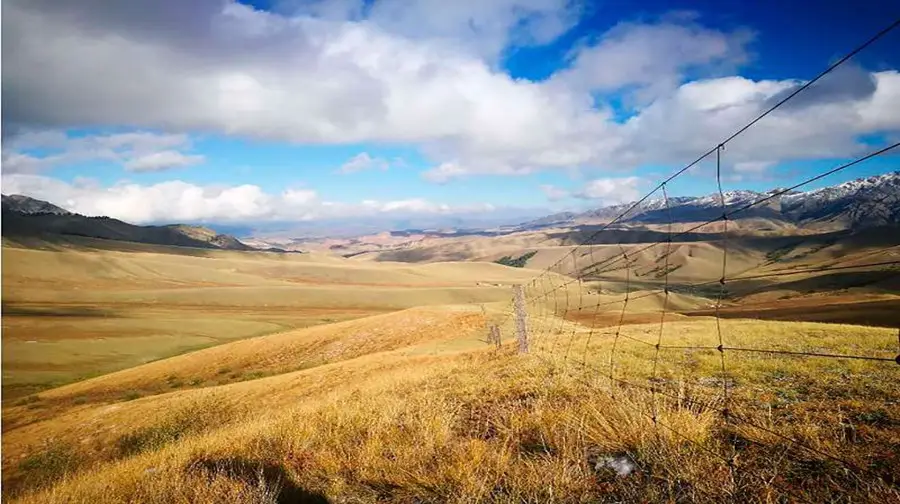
x: 521, y: 316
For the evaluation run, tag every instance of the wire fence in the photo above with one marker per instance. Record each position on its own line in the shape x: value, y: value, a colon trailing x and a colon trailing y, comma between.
x: 692, y: 318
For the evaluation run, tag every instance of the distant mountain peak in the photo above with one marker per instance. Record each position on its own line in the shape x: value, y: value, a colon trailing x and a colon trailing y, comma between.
x: 865, y: 201
x: 30, y: 206
x: 24, y: 215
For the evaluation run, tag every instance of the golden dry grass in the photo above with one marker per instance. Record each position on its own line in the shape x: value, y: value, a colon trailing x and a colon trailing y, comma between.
x: 79, y: 308
x: 412, y: 405
x: 438, y: 417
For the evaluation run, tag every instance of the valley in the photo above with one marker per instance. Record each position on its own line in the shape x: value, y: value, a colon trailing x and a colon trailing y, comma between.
x: 77, y: 307
x: 160, y: 372
x: 458, y: 252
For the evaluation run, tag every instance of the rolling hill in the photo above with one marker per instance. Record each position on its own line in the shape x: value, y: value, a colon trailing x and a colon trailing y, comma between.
x: 74, y: 306
x: 147, y: 372
x: 24, y: 216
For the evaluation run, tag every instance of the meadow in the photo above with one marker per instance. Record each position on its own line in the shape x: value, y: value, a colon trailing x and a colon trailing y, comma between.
x: 448, y: 418
x: 78, y: 307
x: 399, y: 397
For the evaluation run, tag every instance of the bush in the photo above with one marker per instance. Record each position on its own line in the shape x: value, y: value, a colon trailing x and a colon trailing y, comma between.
x: 193, y: 418
x: 49, y: 465
x: 518, y: 262
x: 131, y: 395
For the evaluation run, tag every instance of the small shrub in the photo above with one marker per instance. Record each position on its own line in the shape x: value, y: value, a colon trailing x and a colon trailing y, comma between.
x: 49, y: 465
x: 191, y: 419
x: 150, y: 438
x: 131, y: 395
x: 25, y: 401
x: 518, y: 262
x: 254, y: 375
x: 196, y: 381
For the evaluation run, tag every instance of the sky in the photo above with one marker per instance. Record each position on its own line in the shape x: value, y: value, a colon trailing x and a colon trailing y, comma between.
x: 224, y: 111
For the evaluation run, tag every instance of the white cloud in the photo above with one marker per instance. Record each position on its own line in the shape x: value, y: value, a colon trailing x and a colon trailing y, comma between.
x: 363, y: 161
x: 612, y: 191
x: 554, y: 193
x: 417, y: 75
x: 752, y: 167
x: 136, y: 151
x: 164, y: 160
x: 652, y: 56
x: 484, y: 28
x: 237, y: 71
x: 178, y: 201
x: 16, y: 162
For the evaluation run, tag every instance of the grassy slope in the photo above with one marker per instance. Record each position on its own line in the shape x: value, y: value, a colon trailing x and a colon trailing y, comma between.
x: 412, y: 406
x: 432, y: 415
x: 79, y: 307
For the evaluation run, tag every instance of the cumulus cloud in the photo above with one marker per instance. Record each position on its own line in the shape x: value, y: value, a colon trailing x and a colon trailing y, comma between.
x: 136, y: 151
x: 612, y: 191
x: 222, y: 66
x: 554, y: 193
x: 653, y: 56
x: 422, y: 73
x: 484, y: 28
x: 845, y: 83
x: 363, y: 161
x: 164, y: 160
x: 178, y: 201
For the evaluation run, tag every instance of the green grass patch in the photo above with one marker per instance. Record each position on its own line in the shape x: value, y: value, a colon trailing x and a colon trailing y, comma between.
x: 192, y: 419
x: 131, y: 395
x: 47, y: 466
x: 518, y: 262
x: 25, y: 401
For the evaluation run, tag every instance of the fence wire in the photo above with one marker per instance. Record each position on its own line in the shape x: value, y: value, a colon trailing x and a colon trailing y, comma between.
x: 622, y: 311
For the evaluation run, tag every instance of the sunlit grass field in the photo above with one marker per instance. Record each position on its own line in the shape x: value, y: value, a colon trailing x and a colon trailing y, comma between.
x: 83, y: 307
x: 440, y: 416
x: 147, y: 374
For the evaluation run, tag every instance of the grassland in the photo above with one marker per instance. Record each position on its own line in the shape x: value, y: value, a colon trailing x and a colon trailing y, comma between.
x: 78, y: 308
x: 404, y: 401
x: 439, y: 417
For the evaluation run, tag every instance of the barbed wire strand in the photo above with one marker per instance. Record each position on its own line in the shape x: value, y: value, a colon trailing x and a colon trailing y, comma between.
x: 553, y: 323
x: 730, y: 214
x: 580, y: 306
x: 790, y: 96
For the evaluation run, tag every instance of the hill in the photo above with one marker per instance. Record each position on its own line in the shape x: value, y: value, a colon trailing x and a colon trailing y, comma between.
x: 75, y: 307
x: 29, y: 206
x: 153, y: 373
x: 24, y: 216
x: 412, y: 407
x: 759, y: 220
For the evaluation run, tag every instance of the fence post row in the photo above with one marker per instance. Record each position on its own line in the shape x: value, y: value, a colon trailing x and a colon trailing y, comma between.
x: 521, y: 315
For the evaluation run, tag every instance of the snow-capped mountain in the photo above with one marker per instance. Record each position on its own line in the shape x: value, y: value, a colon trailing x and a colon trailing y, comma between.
x: 867, y: 201
x: 864, y: 202
x: 25, y: 205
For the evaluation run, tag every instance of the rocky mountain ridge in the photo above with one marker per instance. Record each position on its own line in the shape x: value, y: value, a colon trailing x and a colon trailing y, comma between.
x: 864, y: 202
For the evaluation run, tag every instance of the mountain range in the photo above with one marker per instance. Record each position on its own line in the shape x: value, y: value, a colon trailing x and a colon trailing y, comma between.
x: 25, y: 216
x: 860, y: 203
x: 864, y: 202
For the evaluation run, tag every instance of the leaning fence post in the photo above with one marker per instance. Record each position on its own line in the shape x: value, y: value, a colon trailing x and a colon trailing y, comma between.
x: 521, y: 326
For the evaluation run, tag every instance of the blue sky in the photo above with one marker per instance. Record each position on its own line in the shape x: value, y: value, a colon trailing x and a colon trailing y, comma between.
x: 216, y: 111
